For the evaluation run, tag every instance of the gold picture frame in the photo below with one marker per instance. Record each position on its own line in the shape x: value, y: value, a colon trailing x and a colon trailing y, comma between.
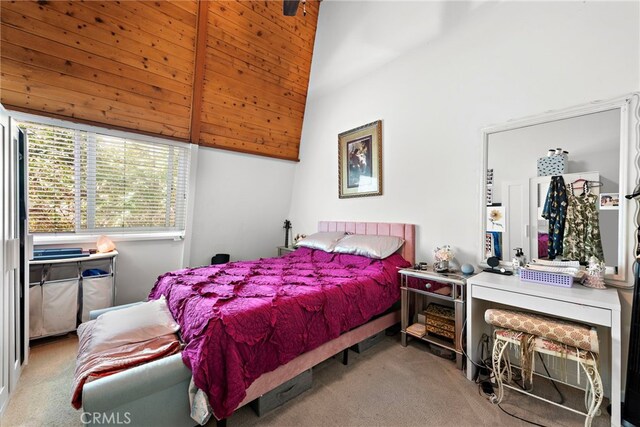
x: 360, y: 161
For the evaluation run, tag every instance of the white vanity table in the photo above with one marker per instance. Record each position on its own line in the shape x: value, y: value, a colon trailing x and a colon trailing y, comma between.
x: 578, y: 303
x: 603, y: 140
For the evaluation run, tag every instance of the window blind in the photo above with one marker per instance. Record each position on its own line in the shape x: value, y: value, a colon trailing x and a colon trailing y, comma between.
x: 84, y: 182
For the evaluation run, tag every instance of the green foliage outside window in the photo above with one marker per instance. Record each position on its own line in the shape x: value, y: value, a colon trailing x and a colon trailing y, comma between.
x: 81, y: 181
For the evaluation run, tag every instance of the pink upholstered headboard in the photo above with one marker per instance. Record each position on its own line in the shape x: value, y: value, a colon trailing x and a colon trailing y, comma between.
x: 405, y: 231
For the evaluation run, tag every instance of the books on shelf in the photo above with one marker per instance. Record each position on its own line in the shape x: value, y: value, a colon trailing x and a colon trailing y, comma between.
x: 58, y: 253
x: 417, y: 329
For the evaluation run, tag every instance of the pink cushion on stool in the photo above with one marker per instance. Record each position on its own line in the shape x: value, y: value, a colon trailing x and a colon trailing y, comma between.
x: 572, y: 334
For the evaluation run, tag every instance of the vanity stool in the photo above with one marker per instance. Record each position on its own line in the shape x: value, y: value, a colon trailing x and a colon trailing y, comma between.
x: 533, y: 333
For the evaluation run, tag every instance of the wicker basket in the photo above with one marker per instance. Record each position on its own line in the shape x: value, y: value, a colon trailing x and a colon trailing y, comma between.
x: 441, y: 321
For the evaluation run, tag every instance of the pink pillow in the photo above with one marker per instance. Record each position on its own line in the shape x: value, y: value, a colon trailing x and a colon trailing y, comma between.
x: 141, y: 322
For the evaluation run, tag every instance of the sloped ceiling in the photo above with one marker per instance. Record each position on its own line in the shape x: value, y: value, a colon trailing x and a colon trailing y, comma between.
x: 227, y: 74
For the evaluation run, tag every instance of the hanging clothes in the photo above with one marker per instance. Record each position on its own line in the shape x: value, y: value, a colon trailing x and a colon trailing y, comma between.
x: 555, y: 210
x: 582, y: 230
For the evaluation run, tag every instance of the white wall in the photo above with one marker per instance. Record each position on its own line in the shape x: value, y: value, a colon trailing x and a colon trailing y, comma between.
x: 241, y: 204
x: 469, y: 66
x: 140, y: 263
x: 485, y: 65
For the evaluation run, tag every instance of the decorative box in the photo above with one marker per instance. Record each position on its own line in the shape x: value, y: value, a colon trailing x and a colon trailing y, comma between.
x: 553, y: 165
x: 441, y: 320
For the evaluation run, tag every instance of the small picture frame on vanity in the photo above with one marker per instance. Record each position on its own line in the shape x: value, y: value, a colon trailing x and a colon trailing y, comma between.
x: 609, y: 201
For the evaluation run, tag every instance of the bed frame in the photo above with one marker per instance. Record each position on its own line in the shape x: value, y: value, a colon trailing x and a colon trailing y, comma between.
x: 156, y: 393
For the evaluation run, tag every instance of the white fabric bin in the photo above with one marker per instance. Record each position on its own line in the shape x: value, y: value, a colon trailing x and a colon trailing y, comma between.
x: 35, y: 311
x: 62, y: 271
x: 96, y: 294
x: 59, y: 306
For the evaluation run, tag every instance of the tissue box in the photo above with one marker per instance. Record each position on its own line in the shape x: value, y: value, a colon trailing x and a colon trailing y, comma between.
x: 553, y: 165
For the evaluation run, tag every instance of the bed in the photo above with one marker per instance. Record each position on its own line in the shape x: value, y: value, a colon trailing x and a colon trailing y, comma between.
x: 157, y: 391
x: 543, y: 245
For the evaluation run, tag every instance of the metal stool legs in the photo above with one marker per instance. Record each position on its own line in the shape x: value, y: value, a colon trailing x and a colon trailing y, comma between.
x: 499, y: 347
x: 594, y: 393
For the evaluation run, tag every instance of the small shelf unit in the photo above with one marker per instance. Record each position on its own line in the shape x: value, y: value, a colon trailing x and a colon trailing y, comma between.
x: 61, y: 296
x: 418, y: 288
x: 283, y: 250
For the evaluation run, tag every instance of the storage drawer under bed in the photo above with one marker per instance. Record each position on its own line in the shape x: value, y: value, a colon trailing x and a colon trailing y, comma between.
x: 369, y: 342
x: 282, y: 394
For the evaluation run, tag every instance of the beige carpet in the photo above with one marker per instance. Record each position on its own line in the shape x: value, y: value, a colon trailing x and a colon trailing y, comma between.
x: 387, y: 385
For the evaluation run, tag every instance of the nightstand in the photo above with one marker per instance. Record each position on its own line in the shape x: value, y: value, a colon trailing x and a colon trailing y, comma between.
x: 421, y: 288
x: 283, y: 250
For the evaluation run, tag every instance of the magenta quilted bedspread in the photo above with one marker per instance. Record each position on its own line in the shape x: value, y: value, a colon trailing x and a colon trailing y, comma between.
x: 242, y: 319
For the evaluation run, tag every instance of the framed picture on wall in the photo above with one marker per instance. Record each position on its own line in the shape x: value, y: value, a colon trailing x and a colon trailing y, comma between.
x: 495, y: 218
x: 609, y: 201
x: 360, y: 161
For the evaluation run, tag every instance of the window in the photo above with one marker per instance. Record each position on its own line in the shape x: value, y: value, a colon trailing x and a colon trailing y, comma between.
x: 88, y: 182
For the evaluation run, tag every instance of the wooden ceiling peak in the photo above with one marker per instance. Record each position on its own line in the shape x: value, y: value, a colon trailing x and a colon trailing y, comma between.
x: 199, y: 70
x: 229, y: 74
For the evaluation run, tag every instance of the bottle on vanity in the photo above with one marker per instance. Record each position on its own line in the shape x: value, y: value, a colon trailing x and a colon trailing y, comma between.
x: 518, y: 261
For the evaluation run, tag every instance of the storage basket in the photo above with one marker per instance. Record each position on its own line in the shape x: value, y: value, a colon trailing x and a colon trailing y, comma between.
x: 283, y: 393
x: 97, y: 293
x: 36, y: 328
x: 59, y: 306
x: 546, y: 278
x: 553, y: 165
x: 440, y: 320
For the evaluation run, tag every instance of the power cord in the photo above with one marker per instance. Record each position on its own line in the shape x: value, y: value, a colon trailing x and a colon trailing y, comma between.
x: 485, y: 387
x: 519, y: 418
x: 552, y: 381
x: 483, y: 340
x: 487, y: 390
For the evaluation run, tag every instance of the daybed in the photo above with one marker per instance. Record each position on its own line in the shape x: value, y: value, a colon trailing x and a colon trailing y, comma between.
x: 157, y: 393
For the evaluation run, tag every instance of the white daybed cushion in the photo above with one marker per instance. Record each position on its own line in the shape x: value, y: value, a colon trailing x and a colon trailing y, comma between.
x: 378, y: 247
x: 325, y: 241
x: 141, y: 322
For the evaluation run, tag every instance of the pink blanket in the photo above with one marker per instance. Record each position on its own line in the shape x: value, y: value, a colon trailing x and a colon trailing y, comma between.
x: 91, y: 365
x: 242, y: 319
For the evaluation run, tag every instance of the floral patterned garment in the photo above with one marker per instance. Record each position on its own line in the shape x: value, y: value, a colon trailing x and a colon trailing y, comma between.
x: 555, y: 210
x: 582, y: 229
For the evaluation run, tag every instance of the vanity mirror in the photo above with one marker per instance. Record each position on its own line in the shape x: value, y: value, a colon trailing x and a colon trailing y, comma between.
x: 601, y: 139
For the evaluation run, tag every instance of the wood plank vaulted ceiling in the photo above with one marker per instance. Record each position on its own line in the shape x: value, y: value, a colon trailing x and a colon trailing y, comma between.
x: 229, y: 74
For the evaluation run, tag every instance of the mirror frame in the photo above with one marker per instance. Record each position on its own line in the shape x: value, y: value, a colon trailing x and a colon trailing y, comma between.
x: 629, y: 172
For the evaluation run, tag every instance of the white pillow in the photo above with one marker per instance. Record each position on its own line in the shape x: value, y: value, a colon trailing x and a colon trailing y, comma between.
x: 141, y: 322
x: 324, y: 240
x: 378, y: 247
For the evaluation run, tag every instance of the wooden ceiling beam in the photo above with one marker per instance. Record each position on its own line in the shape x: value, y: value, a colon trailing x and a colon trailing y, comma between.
x: 198, y: 71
